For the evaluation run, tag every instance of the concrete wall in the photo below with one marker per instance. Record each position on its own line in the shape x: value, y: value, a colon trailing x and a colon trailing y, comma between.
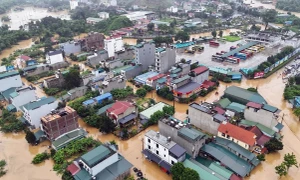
x: 23, y: 98
x: 165, y: 59
x: 129, y: 74
x: 46, y: 68
x: 145, y: 55
x: 12, y: 81
x: 203, y: 121
x: 124, y: 55
x: 201, y: 77
x: 114, y: 64
x: 163, y: 152
x: 113, y: 85
x: 71, y: 47
x: 262, y: 116
x: 192, y: 148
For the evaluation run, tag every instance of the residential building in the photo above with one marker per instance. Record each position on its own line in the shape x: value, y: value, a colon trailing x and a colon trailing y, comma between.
x: 91, y: 20
x: 103, y: 15
x: 131, y: 71
x: 73, y: 4
x: 146, y: 114
x: 122, y: 113
x: 199, y: 74
x: 103, y: 162
x: 193, y: 22
x: 139, y: 15
x: 24, y: 61
x: 145, y: 54
x: 172, y: 9
x: 264, y: 114
x: 34, y: 110
x: 265, y: 130
x: 152, y: 80
x: 74, y: 93
x: 59, y: 122
x: 109, y: 84
x: 71, y: 47
x: 181, y: 81
x: 113, y: 45
x: 56, y: 81
x: 162, y: 150
x: 143, y: 78
x: 93, y: 41
x: 165, y: 58
x: 54, y: 57
x: 98, y: 99
x: 10, y: 79
x: 22, y: 96
x: 184, y: 135
x: 68, y: 137
x: 240, y: 136
x: 204, y: 116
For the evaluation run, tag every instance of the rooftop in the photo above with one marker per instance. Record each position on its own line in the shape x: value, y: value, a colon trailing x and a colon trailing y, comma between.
x: 200, y: 107
x: 237, y: 133
x: 103, y: 109
x: 177, y: 150
x: 38, y: 103
x: 9, y: 74
x: 56, y: 114
x: 143, y: 77
x: 189, y: 87
x: 154, y: 78
x: 9, y: 91
x: 183, y: 45
x: 236, y: 107
x: 264, y: 129
x: 200, y: 70
x: 119, y: 107
x: 183, y: 78
x: 52, y: 53
x: 160, y: 139
x: 190, y: 134
x: 224, y: 102
x: 151, y: 110
x: 96, y: 155
x: 240, y: 94
x: 66, y: 138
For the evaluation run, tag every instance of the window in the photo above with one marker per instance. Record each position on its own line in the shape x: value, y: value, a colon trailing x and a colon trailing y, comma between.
x: 172, y: 162
x: 228, y: 136
x: 223, y: 134
x: 149, y: 147
x: 164, y: 155
x: 246, y: 145
x: 157, y: 145
x: 149, y: 141
x: 165, y: 149
x: 157, y: 152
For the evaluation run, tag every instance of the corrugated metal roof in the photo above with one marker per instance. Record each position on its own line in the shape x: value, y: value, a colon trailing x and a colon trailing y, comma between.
x: 263, y: 128
x: 39, y: 103
x: 181, y: 79
x: 94, y: 156
x: 68, y: 137
x: 7, y: 92
x: 190, y: 134
x: 151, y: 110
x: 236, y: 107
x: 8, y: 74
x: 177, y: 150
x: 269, y: 108
x: 224, y: 102
x: 234, y: 93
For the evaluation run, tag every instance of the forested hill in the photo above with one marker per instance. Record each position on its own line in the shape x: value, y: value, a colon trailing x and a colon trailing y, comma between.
x: 288, y: 5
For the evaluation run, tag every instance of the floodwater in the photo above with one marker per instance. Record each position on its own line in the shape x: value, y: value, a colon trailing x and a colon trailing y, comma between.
x: 21, y: 45
x: 19, y: 18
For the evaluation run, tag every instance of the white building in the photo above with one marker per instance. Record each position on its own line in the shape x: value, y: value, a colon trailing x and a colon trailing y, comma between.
x: 34, y: 110
x: 10, y: 79
x: 113, y: 44
x: 162, y: 150
x: 73, y: 4
x: 138, y: 15
x: 103, y: 15
x: 172, y: 9
x: 165, y: 58
x: 22, y: 96
x: 55, y: 57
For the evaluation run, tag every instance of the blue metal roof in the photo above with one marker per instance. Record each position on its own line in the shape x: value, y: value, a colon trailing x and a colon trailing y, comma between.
x: 177, y: 150
x: 88, y: 102
x: 103, y: 96
x: 128, y: 118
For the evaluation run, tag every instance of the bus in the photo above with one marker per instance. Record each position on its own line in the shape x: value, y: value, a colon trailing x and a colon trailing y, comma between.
x: 213, y: 43
x: 217, y: 58
x: 232, y: 59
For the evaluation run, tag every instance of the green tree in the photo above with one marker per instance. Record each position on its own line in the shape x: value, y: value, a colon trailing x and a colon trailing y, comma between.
x: 274, y: 145
x: 296, y: 112
x: 2, y: 166
x: 67, y: 175
x: 261, y: 157
x: 72, y: 78
x: 106, y: 125
x: 281, y: 170
x: 177, y: 170
x: 182, y: 35
x: 30, y: 137
x: 269, y: 16
x: 141, y: 92
x: 169, y: 110
x: 125, y: 133
x: 220, y: 33
x: 139, y: 40
x: 290, y: 160
x: 214, y: 33
x: 252, y: 89
x: 150, y: 27
x: 189, y: 174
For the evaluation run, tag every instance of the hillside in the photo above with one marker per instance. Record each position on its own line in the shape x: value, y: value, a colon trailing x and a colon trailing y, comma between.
x: 153, y: 4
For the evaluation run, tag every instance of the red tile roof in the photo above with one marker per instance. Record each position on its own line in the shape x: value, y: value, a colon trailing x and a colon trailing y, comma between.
x: 254, y: 105
x: 263, y: 140
x: 237, y: 133
x: 25, y: 58
x: 206, y: 84
x: 156, y: 77
x: 119, y: 107
x: 73, y: 169
x: 200, y: 70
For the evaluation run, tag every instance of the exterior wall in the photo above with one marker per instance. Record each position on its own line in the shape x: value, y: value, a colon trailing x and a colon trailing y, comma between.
x: 165, y: 60
x: 163, y: 152
x: 114, y: 64
x: 261, y: 116
x: 145, y: 55
x: 124, y: 55
x: 13, y: 81
x: 242, y: 144
x: 203, y: 121
x: 132, y: 72
x: 23, y: 98
x: 178, y: 85
x: 55, y: 82
x: 105, y: 163
x: 46, y: 68
x: 71, y: 47
x: 127, y: 112
x: 78, y: 93
x: 113, y: 85
x: 56, y: 58
x: 95, y: 59
x: 94, y: 39
x: 113, y: 45
x: 201, y: 77
x: 34, y: 116
x: 192, y: 148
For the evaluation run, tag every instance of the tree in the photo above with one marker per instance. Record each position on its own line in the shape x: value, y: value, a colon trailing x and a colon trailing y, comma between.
x: 214, y: 34
x: 189, y: 174
x: 177, y: 170
x: 150, y: 27
x: 274, y: 145
x: 139, y: 40
x: 290, y: 160
x: 67, y: 176
x: 261, y: 157
x: 183, y: 36
x: 72, y: 78
x: 169, y: 110
x: 269, y: 16
x: 281, y: 170
x: 106, y: 125
x: 30, y: 137
x: 296, y: 112
x: 221, y: 33
x: 142, y: 92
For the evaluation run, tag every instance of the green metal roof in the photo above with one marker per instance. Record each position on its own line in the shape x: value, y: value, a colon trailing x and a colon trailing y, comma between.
x: 161, y: 80
x: 39, y: 103
x: 159, y: 50
x: 118, y: 70
x: 82, y: 175
x: 263, y: 128
x: 29, y: 68
x: 103, y: 109
x: 181, y: 79
x: 1, y: 97
x: 7, y: 92
x: 175, y: 71
x: 269, y: 108
x: 65, y: 139
x: 216, y: 167
x: 233, y: 73
x: 11, y: 108
x: 236, y: 107
x: 190, y: 134
x: 151, y: 110
x: 8, y: 74
x: 39, y: 134
x: 224, y: 102
x: 96, y: 155
x: 243, y: 96
x: 22, y: 119
x: 14, y: 94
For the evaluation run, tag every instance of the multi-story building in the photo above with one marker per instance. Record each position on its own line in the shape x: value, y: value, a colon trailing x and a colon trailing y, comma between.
x: 34, y: 110
x: 165, y: 58
x: 54, y: 57
x: 22, y: 96
x: 187, y: 137
x: 113, y: 45
x: 93, y: 41
x: 24, y: 61
x: 162, y: 150
x: 122, y: 113
x: 238, y: 135
x: 145, y: 54
x: 54, y: 82
x: 200, y: 74
x: 103, y: 162
x: 73, y: 4
x: 103, y: 15
x: 71, y: 47
x: 59, y: 122
x: 10, y: 79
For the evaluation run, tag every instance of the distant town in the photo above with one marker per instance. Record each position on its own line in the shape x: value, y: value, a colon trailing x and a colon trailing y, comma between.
x: 137, y: 90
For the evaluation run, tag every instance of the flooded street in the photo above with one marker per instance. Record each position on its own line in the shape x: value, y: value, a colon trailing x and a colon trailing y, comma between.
x: 21, y: 45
